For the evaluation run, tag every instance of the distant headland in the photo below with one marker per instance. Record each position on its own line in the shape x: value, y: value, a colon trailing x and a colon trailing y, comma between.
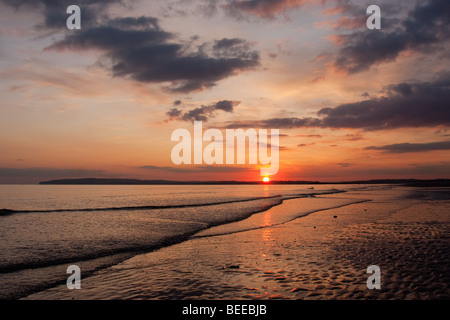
x: 96, y: 181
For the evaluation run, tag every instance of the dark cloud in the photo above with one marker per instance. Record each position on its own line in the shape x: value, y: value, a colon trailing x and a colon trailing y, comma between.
x: 226, y: 105
x: 412, y: 147
x: 365, y: 50
x: 138, y: 49
x: 226, y: 43
x: 139, y: 23
x: 173, y: 113
x: 403, y: 105
x: 235, y: 47
x: 288, y: 123
x: 202, y: 113
x: 267, y: 9
x: 353, y: 13
x: 344, y: 164
x: 55, y: 15
x: 425, y: 28
x: 198, y: 114
x: 116, y: 41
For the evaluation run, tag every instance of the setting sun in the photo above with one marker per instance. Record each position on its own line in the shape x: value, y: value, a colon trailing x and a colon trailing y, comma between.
x: 266, y: 179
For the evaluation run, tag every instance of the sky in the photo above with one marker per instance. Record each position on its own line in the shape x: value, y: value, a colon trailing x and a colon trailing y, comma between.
x: 350, y: 103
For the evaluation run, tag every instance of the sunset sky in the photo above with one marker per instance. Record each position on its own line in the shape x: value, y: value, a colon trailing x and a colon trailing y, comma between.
x: 350, y: 103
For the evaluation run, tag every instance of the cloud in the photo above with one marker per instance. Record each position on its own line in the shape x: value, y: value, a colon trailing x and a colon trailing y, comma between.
x: 439, y: 169
x: 202, y: 113
x: 412, y: 147
x: 353, y: 137
x: 267, y: 9
x: 344, y: 164
x: 309, y: 135
x: 137, y: 48
x: 168, y: 169
x: 198, y: 114
x: 336, y: 172
x: 201, y: 169
x: 226, y: 105
x: 55, y: 15
x: 363, y: 50
x: 234, y: 47
x: 404, y: 105
x: 34, y: 175
x: 270, y: 146
x: 113, y: 38
x: 353, y: 13
x: 173, y: 113
x: 425, y: 28
x: 287, y: 123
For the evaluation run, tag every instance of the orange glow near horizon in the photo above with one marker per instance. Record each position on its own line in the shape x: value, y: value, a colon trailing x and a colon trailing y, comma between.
x: 61, y: 118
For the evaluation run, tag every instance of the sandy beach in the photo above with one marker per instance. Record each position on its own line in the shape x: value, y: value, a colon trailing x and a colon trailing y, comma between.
x: 322, y: 255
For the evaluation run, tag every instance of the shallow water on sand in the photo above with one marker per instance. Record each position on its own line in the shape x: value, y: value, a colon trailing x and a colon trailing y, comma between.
x: 47, y: 228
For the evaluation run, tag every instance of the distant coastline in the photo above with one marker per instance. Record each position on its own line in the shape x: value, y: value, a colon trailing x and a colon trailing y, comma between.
x: 96, y: 181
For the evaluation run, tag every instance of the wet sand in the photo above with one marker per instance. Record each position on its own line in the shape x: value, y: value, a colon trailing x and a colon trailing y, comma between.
x: 323, y: 255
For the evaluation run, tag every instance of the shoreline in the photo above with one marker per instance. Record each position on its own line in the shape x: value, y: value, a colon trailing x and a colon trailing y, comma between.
x: 320, y: 256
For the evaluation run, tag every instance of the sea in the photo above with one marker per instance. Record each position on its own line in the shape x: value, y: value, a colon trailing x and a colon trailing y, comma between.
x: 44, y: 229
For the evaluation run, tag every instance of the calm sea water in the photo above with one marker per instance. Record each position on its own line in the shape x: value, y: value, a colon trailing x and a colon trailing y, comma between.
x: 52, y: 227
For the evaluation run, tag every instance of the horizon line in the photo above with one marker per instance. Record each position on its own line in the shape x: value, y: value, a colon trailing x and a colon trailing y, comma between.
x: 130, y: 181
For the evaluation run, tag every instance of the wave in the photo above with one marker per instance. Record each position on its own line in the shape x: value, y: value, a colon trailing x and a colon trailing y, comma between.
x: 96, y: 254
x: 5, y: 212
x: 190, y: 205
x: 160, y: 229
x: 169, y: 228
x: 39, y: 246
x: 243, y: 226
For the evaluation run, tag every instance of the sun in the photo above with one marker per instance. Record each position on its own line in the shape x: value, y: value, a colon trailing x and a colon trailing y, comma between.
x: 266, y: 179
